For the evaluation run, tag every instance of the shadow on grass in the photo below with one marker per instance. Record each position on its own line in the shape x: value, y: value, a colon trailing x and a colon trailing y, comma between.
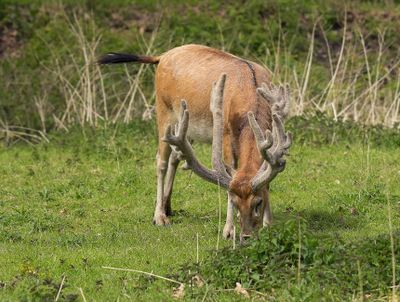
x: 320, y: 220
x: 183, y: 216
x: 323, y: 220
x: 317, y: 220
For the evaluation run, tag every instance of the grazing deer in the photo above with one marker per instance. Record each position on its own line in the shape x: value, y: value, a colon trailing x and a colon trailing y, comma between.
x: 234, y: 118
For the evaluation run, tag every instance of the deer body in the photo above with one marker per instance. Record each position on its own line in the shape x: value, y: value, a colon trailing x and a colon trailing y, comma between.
x: 188, y: 73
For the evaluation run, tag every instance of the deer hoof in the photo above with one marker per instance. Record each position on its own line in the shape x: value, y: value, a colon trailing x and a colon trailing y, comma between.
x: 229, y: 231
x: 161, y: 219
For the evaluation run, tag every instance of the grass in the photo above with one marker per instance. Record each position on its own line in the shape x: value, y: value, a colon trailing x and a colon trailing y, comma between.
x: 80, y: 199
x: 85, y: 200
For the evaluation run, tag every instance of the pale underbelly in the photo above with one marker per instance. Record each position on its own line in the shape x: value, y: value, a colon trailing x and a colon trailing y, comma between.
x: 200, y: 130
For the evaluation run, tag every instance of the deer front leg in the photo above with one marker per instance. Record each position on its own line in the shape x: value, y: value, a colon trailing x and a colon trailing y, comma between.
x: 160, y: 215
x: 267, y: 216
x: 229, y: 228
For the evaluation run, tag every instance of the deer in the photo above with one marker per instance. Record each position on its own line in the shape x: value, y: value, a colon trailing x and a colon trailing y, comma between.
x: 208, y: 95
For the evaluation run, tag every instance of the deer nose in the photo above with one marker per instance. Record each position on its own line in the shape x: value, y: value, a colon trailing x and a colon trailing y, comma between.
x: 244, y: 237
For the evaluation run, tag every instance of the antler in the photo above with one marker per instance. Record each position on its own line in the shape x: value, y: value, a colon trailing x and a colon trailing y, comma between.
x: 278, y: 97
x: 179, y: 141
x: 274, y: 145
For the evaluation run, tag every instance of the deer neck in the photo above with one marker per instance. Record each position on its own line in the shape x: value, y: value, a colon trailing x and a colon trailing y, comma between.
x: 249, y: 161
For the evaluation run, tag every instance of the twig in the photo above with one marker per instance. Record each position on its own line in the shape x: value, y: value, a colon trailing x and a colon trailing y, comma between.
x: 205, y: 294
x: 197, y: 247
x: 299, y: 258
x: 307, y: 70
x: 141, y: 272
x: 392, y: 248
x: 234, y: 237
x: 83, y: 296
x: 60, y: 288
x: 360, y: 280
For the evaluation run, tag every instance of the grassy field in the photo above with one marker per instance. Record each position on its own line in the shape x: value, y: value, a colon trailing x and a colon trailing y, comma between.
x: 77, y: 163
x: 86, y: 200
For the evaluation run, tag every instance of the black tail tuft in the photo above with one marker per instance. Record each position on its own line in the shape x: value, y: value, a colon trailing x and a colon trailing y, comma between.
x: 115, y: 58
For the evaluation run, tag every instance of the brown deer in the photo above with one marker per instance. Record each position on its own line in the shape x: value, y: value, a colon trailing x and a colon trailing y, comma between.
x: 244, y: 159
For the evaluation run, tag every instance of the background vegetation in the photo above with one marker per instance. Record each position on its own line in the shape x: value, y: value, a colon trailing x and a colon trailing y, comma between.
x: 77, y: 175
x: 339, y: 58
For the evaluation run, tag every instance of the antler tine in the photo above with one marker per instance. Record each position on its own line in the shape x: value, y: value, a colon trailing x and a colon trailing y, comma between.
x: 263, y: 144
x: 285, y: 100
x: 272, y: 94
x: 278, y: 97
x: 276, y: 145
x: 179, y: 141
x: 182, y: 127
x: 283, y: 140
x: 278, y: 136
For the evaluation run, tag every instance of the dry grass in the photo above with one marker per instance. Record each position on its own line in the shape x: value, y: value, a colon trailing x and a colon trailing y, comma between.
x: 361, y: 90
x: 362, y: 85
x: 11, y: 134
x: 88, y: 95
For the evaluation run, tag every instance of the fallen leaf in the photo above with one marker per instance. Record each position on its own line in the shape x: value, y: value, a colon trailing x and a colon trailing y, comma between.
x: 198, y: 281
x: 289, y: 209
x: 239, y: 289
x: 353, y: 211
x: 179, y: 292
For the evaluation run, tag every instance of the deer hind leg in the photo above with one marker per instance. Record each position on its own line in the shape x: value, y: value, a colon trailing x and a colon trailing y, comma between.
x: 169, y: 181
x: 163, y: 154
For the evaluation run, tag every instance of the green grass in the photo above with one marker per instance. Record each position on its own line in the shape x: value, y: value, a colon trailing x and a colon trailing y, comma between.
x: 86, y: 200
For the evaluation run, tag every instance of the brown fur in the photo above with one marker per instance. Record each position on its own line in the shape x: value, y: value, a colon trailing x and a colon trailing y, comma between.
x: 188, y: 72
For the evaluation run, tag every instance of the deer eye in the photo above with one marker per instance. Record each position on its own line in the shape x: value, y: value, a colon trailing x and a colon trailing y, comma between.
x: 257, y: 207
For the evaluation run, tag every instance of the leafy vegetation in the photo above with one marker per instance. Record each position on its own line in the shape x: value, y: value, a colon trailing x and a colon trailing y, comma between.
x: 319, y: 129
x: 292, y: 264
